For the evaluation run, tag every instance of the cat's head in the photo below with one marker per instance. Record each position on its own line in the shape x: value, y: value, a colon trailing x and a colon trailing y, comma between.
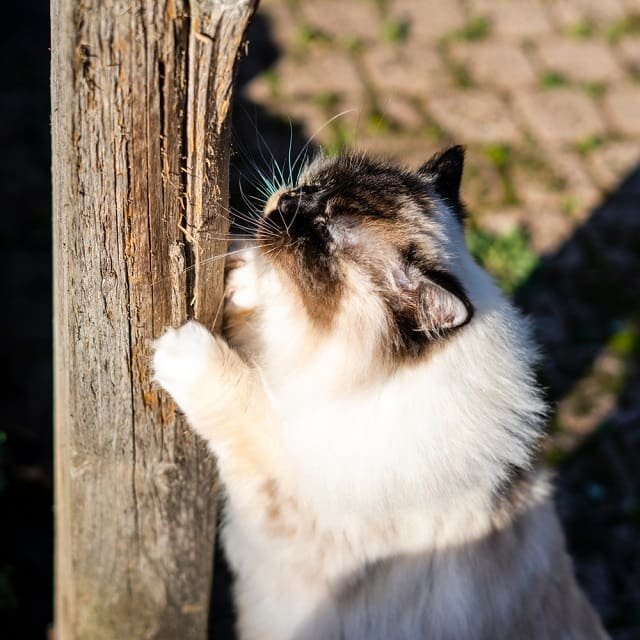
x: 368, y: 248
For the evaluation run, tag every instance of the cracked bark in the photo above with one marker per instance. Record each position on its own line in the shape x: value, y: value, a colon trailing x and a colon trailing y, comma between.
x: 141, y: 95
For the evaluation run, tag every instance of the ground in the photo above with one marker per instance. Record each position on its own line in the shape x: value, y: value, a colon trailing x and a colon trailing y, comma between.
x: 546, y: 96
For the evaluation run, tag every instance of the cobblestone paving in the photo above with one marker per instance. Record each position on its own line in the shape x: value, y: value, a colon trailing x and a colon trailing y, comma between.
x: 546, y: 96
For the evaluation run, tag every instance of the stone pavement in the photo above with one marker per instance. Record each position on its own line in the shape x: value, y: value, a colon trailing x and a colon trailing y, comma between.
x: 554, y: 86
x: 546, y: 96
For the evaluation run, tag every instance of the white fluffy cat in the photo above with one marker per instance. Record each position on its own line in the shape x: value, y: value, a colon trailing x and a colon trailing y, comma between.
x: 375, y: 418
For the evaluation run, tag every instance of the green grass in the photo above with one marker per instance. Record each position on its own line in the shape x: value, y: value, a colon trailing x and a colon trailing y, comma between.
x: 378, y: 121
x: 327, y: 100
x: 570, y: 205
x: 395, y: 30
x: 582, y: 30
x: 626, y: 340
x: 500, y: 155
x: 627, y: 26
x: 461, y: 76
x: 354, y: 45
x: 478, y: 28
x: 588, y: 144
x: 553, y: 80
x: 306, y: 34
x: 595, y: 89
x: 272, y: 78
x: 508, y: 257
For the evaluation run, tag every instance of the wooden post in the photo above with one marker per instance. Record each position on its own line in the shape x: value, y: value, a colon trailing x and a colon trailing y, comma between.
x: 141, y: 93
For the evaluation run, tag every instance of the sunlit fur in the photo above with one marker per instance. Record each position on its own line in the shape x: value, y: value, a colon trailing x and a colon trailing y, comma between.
x: 378, y: 486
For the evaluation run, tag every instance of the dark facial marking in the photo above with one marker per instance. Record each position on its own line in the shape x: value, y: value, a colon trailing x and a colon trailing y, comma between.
x: 367, y: 212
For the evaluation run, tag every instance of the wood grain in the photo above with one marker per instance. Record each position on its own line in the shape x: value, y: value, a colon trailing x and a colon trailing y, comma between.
x: 141, y: 94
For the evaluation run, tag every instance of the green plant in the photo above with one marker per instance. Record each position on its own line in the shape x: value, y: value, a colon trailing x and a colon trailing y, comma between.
x: 595, y: 89
x: 508, y: 257
x: 478, y: 28
x: 354, y: 45
x: 626, y: 340
x: 582, y: 30
x: 306, y: 34
x: 500, y: 157
x: 378, y: 121
x: 552, y: 80
x: 627, y: 26
x: 461, y: 76
x: 570, y: 205
x: 272, y: 78
x: 588, y: 144
x: 327, y: 100
x: 395, y: 30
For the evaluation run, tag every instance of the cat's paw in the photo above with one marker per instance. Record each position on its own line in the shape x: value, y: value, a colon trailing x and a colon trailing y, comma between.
x: 183, y: 357
x: 241, y: 292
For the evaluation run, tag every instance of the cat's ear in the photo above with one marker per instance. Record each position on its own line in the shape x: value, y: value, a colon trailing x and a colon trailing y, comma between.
x: 432, y: 303
x: 444, y: 171
x: 441, y: 308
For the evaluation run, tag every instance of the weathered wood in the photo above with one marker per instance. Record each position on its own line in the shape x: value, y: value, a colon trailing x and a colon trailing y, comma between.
x: 141, y: 96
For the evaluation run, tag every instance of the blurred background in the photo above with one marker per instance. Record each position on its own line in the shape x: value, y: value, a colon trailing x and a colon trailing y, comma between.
x: 546, y: 96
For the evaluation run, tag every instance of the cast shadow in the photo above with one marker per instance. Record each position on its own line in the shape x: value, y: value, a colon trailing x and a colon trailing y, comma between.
x: 584, y: 300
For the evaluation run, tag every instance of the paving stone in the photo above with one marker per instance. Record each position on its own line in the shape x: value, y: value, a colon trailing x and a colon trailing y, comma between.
x: 515, y: 19
x: 309, y: 115
x: 584, y: 61
x: 560, y: 115
x: 538, y: 196
x: 611, y: 163
x: 324, y: 70
x: 502, y: 221
x: 344, y: 20
x: 401, y: 111
x: 481, y: 185
x: 568, y: 13
x: 282, y: 25
x: 497, y: 63
x: 258, y: 90
x: 580, y: 195
x: 629, y: 49
x: 406, y: 150
x: 474, y: 116
x: 622, y: 106
x: 398, y: 69
x: 429, y: 20
x: 548, y: 229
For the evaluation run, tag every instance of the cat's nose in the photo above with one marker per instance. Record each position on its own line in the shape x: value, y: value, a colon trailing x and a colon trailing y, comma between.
x: 289, y: 203
x: 296, y: 208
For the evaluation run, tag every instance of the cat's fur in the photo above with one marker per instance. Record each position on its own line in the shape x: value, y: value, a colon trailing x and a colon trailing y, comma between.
x: 375, y: 419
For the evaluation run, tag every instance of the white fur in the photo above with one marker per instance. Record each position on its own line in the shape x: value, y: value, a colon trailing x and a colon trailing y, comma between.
x: 373, y: 468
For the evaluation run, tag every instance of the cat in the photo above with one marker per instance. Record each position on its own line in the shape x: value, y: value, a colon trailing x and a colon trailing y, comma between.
x: 376, y: 420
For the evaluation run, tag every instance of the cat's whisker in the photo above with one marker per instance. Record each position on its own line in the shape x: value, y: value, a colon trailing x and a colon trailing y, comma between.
x: 319, y: 130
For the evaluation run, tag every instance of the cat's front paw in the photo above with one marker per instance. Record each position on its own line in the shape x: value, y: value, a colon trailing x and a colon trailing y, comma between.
x: 241, y: 291
x: 183, y: 358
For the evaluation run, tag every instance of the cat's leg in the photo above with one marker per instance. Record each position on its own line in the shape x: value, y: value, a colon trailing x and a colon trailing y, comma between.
x: 222, y: 397
x: 241, y: 300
